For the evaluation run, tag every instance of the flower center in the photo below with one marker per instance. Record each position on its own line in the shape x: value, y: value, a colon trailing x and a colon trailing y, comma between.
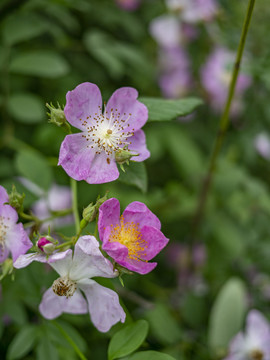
x: 63, y: 286
x: 3, y: 233
x: 128, y: 234
x: 107, y: 132
x: 256, y: 354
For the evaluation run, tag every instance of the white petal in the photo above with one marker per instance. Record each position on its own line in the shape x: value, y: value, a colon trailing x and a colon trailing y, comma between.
x: 104, y: 307
x: 63, y: 265
x: 88, y: 260
x: 53, y: 305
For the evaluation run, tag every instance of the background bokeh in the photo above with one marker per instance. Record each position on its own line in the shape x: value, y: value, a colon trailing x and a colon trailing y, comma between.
x: 47, y: 48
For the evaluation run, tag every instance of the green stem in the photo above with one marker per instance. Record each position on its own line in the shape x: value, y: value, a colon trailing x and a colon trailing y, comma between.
x: 69, y: 339
x: 75, y: 204
x: 224, y: 122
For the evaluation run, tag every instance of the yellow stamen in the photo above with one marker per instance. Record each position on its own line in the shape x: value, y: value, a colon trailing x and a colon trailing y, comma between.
x: 128, y: 234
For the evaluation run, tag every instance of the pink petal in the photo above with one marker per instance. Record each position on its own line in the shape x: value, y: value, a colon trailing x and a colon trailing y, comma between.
x: 139, y: 213
x: 124, y: 100
x: 59, y: 198
x: 82, y: 102
x: 8, y: 214
x: 53, y: 305
x: 18, y: 241
x: 4, y: 251
x: 119, y: 253
x: 76, y: 157
x: 109, y: 214
x: 3, y: 195
x: 103, y: 169
x: 138, y: 146
x: 88, y: 260
x: 155, y: 240
x: 257, y: 325
x: 104, y: 307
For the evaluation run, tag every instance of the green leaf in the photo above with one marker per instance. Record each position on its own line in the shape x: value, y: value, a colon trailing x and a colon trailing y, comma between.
x: 150, y: 355
x: 127, y: 339
x: 22, y: 343
x: 184, y: 151
x: 21, y: 27
x: 164, y: 110
x: 135, y: 174
x: 26, y: 108
x: 34, y: 167
x: 163, y: 324
x: 41, y: 63
x: 227, y: 314
x: 46, y: 349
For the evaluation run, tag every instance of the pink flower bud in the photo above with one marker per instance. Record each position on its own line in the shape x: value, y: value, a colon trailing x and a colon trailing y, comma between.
x: 42, y: 242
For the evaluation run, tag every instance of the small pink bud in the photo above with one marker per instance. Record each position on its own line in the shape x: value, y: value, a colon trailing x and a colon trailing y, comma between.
x: 42, y: 242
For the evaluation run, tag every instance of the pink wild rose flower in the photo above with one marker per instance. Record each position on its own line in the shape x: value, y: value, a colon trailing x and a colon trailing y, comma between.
x: 13, y: 237
x: 133, y: 238
x: 76, y: 272
x: 254, y: 344
x: 193, y: 11
x: 90, y: 155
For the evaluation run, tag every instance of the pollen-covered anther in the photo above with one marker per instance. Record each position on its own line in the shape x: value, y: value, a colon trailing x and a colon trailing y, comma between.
x: 128, y: 234
x: 63, y: 286
x: 108, y: 133
x: 256, y: 354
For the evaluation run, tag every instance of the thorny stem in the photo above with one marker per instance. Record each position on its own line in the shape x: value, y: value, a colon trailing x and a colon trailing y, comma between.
x: 224, y: 123
x: 75, y: 204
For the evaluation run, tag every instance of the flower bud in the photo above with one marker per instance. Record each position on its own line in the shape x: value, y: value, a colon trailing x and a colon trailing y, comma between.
x: 89, y: 213
x: 123, y: 156
x: 57, y: 116
x: 46, y: 245
x: 16, y: 199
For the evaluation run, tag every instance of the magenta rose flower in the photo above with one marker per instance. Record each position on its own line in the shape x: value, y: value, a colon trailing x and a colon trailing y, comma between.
x: 254, y: 344
x: 133, y: 238
x: 13, y: 237
x: 90, y: 155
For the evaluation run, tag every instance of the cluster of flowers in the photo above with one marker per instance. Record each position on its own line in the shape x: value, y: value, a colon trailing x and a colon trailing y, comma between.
x: 173, y: 31
x: 131, y: 240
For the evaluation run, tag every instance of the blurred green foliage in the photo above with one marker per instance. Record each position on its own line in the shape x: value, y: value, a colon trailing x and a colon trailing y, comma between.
x: 50, y: 46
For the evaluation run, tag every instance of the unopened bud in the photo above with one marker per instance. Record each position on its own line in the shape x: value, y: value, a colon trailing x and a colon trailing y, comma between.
x: 89, y: 213
x: 57, y: 116
x: 123, y: 156
x: 45, y: 244
x: 16, y: 199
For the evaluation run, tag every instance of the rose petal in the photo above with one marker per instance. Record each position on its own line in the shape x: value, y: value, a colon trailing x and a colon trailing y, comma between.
x: 257, y: 325
x: 82, y: 102
x: 88, y: 260
x: 138, y: 212
x: 155, y: 240
x: 103, y: 169
x: 4, y: 251
x: 52, y: 305
x: 25, y: 260
x: 3, y: 195
x: 76, y: 157
x: 109, y: 214
x: 18, y: 241
x: 138, y: 146
x: 119, y: 253
x: 8, y: 214
x: 63, y: 265
x: 104, y: 307
x: 124, y: 100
